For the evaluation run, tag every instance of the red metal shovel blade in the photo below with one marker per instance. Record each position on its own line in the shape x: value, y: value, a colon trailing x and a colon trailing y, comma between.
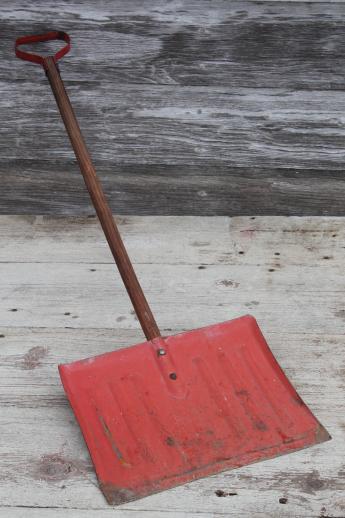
x: 168, y: 411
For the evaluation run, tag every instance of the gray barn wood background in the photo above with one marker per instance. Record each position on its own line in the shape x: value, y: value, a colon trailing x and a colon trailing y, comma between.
x: 223, y: 108
x: 189, y: 107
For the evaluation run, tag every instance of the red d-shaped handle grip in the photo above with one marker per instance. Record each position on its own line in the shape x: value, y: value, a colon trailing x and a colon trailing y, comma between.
x: 48, y: 36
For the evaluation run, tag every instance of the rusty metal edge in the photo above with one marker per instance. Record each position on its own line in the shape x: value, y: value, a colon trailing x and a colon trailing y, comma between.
x: 115, y: 495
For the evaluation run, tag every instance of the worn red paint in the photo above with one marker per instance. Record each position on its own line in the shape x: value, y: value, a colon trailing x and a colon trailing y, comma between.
x: 229, y: 404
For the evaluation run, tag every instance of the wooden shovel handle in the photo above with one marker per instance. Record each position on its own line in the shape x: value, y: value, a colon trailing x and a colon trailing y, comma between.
x: 99, y: 201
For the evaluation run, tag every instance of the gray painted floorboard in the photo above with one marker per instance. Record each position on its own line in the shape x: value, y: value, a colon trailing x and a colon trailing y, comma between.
x: 57, y: 273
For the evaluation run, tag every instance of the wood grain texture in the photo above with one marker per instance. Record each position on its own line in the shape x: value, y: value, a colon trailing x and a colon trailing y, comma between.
x: 175, y: 126
x: 297, y: 296
x: 216, y: 43
x: 55, y: 187
x: 233, y: 108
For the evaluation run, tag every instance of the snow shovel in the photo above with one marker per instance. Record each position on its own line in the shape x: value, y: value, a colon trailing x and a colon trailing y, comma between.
x: 175, y: 408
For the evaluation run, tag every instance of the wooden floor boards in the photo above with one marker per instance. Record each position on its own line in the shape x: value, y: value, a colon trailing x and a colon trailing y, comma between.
x: 62, y: 299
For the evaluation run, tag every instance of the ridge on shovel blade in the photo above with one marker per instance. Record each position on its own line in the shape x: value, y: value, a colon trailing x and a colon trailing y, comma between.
x: 174, y: 409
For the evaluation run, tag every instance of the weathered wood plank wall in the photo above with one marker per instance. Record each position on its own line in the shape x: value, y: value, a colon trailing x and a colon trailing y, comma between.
x: 188, y: 108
